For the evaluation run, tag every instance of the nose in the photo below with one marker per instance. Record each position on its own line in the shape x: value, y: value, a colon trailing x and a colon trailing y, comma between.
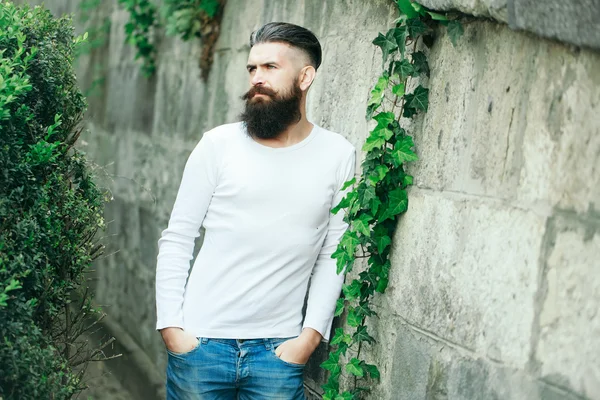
x: 257, y: 79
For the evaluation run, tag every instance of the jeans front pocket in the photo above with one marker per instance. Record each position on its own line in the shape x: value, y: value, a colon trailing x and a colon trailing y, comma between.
x: 187, y: 353
x: 276, y: 343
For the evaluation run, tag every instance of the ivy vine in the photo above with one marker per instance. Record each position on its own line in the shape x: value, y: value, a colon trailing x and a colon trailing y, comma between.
x: 186, y: 18
x: 379, y: 196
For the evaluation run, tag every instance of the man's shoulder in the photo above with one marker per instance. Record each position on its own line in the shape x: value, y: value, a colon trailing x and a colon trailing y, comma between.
x: 224, y: 134
x: 336, y: 141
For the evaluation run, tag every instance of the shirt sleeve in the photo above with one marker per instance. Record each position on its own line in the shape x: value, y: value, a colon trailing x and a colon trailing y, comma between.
x: 326, y: 284
x: 176, y: 244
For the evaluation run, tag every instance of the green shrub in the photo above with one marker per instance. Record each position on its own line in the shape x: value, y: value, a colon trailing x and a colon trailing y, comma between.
x: 50, y: 208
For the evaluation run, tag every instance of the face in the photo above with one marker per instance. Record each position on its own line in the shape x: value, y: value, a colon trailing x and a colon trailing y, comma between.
x: 275, y: 97
x: 272, y: 67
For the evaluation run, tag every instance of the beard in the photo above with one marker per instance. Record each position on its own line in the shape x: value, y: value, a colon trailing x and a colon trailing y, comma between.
x: 267, y: 118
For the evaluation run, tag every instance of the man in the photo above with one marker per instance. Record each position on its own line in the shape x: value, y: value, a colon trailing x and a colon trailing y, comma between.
x: 263, y: 189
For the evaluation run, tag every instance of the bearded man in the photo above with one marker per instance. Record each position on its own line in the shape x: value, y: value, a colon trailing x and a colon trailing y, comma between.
x: 263, y: 189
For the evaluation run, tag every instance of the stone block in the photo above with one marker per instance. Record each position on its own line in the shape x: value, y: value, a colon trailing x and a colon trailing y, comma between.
x: 569, y: 320
x: 523, y: 138
x: 466, y: 269
x: 496, y: 9
x: 470, y: 139
x: 417, y: 365
x: 573, y: 22
x: 561, y: 149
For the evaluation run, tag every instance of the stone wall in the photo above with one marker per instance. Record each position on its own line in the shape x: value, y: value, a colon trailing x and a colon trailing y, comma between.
x: 495, y: 286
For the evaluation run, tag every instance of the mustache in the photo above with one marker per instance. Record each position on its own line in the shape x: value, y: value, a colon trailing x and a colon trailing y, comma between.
x: 258, y: 90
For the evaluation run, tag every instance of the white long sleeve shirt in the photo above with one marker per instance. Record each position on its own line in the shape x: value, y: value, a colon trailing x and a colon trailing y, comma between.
x: 268, y: 229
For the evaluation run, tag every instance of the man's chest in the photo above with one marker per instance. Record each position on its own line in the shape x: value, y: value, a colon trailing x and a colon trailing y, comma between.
x: 295, y: 190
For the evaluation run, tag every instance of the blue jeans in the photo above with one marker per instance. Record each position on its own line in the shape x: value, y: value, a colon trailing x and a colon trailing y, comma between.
x: 233, y: 369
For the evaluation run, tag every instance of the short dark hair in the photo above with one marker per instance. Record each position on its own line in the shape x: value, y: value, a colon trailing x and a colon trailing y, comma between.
x: 291, y: 34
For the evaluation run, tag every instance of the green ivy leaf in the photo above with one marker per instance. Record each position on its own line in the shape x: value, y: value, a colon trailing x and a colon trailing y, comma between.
x: 408, y: 180
x: 343, y: 347
x: 420, y: 63
x: 365, y: 195
x: 420, y: 99
x: 352, y: 291
x: 397, y: 203
x: 210, y: 7
x: 332, y: 362
x: 400, y: 38
x: 349, y: 183
x: 369, y: 276
x: 339, y: 307
x: 361, y: 335
x: 377, y: 138
x: 330, y: 395
x: 363, y: 310
x: 398, y: 131
x: 349, y: 242
x: 403, y: 152
x: 404, y: 69
x: 372, y: 370
x: 387, y: 43
x: 382, y: 242
x: 437, y: 16
x: 416, y: 27
x: 420, y: 9
x: 354, y: 367
x: 353, y: 318
x: 398, y: 90
x: 382, y: 285
x: 331, y: 388
x: 408, y: 111
x: 361, y: 224
x: 345, y: 202
x: 337, y: 337
x: 379, y: 173
x: 341, y: 337
x: 342, y: 258
x: 378, y: 91
x: 406, y: 8
x: 384, y: 119
x: 345, y: 396
x: 375, y: 204
x: 373, y: 142
x: 455, y: 31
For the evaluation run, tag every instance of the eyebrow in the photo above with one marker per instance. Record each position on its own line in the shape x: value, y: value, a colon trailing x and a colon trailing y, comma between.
x: 262, y: 64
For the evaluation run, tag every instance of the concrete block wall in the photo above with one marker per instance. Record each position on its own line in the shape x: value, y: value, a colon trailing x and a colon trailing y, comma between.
x: 495, y: 286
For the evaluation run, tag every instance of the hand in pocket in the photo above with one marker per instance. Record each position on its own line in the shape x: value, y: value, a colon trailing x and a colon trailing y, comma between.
x: 178, y: 341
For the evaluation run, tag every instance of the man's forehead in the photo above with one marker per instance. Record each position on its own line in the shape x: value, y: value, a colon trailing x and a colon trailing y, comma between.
x: 273, y: 52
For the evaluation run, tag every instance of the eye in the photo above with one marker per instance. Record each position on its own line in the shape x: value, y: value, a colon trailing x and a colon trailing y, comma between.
x: 270, y: 66
x: 251, y: 69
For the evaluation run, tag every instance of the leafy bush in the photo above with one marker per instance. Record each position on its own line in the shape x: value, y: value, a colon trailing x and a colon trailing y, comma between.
x: 50, y: 208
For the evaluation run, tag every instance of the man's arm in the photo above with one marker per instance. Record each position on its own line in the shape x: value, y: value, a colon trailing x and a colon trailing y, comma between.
x: 326, y: 284
x: 176, y: 245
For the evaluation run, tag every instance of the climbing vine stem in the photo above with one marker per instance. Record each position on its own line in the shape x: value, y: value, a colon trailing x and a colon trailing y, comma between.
x: 379, y: 195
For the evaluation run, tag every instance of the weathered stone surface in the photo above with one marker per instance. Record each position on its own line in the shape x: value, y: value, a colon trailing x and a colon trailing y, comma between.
x: 496, y: 9
x: 472, y: 265
x: 569, y: 21
x: 569, y: 310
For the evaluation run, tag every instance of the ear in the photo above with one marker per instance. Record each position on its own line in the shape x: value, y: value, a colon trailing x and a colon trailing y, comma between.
x: 306, y: 78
